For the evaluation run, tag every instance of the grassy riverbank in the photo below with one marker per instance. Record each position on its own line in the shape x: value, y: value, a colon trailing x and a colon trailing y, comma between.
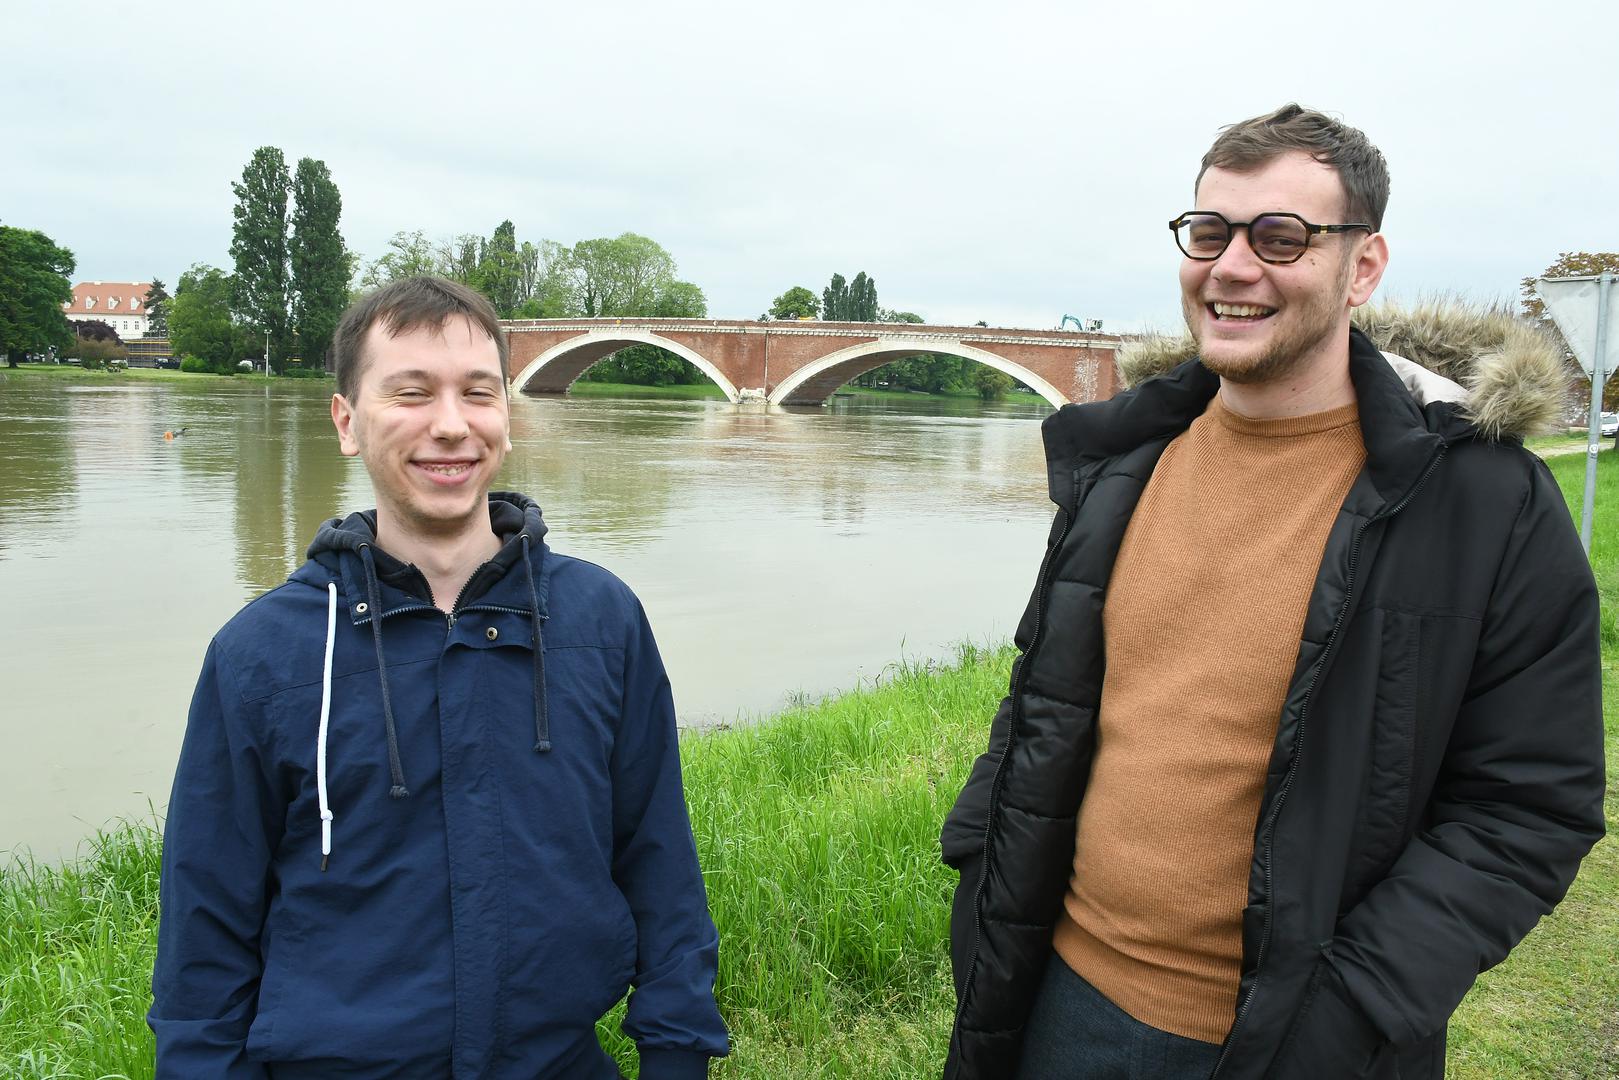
x: 817, y: 831
x: 703, y: 391
x: 74, y: 373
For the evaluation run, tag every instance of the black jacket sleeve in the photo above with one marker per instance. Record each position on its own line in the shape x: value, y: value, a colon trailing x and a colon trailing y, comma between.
x: 1517, y: 803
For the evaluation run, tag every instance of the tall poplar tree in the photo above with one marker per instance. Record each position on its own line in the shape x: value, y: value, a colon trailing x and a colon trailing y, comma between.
x: 835, y: 300
x: 320, y: 262
x: 854, y: 301
x: 862, y: 299
x: 500, y: 274
x: 259, y: 247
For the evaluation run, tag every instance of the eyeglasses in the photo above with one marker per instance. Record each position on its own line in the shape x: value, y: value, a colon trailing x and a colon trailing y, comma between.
x: 1276, y: 238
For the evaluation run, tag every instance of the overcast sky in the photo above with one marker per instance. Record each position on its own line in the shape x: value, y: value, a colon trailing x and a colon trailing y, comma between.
x: 1012, y: 162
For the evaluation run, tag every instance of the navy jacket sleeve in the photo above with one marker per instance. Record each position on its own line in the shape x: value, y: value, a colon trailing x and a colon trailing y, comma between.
x: 672, y: 1014
x: 1518, y: 800
x: 221, y: 829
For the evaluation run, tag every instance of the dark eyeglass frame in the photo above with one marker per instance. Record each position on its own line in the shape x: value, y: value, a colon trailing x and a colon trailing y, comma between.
x: 1310, y: 229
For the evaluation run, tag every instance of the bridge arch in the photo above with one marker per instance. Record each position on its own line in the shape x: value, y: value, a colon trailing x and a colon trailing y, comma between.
x: 555, y: 369
x: 813, y: 383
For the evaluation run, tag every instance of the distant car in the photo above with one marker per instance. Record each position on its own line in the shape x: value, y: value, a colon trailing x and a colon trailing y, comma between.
x: 1610, y: 425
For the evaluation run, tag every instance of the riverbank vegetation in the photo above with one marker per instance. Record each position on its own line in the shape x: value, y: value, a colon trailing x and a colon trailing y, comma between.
x: 700, y: 391
x: 817, y: 831
x: 76, y: 372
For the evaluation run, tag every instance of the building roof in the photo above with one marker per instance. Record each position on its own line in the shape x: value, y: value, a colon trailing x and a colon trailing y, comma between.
x: 108, y: 298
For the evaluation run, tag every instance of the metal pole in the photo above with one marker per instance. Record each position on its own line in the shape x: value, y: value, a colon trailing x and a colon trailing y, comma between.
x: 1594, y: 442
x: 267, y: 354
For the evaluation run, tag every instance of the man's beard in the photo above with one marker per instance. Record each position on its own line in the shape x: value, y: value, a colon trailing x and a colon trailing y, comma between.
x: 1289, y: 349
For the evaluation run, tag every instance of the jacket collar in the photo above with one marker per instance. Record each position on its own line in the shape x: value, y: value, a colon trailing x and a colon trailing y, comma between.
x: 336, y: 546
x: 1401, y: 434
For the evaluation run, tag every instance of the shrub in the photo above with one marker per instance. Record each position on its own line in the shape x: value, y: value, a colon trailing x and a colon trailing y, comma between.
x: 196, y: 365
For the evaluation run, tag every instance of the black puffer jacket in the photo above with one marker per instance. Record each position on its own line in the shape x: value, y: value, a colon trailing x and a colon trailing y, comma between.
x: 1437, y: 773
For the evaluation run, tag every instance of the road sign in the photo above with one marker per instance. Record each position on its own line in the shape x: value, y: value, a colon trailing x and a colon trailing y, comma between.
x: 1584, y: 309
x: 1576, y: 306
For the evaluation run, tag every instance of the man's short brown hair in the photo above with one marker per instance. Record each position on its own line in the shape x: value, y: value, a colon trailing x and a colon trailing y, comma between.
x: 402, y: 306
x: 1254, y: 143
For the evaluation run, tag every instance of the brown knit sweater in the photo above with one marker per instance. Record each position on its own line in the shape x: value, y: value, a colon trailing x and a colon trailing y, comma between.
x: 1202, y: 625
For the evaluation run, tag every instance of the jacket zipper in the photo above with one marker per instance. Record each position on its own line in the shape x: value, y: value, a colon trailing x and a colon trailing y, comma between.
x: 1042, y: 587
x: 455, y: 609
x: 1298, y: 744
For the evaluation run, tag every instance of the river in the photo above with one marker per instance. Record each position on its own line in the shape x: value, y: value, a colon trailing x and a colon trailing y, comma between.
x: 779, y: 553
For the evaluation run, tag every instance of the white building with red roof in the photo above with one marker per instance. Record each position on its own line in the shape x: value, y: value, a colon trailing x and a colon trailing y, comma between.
x: 119, y: 304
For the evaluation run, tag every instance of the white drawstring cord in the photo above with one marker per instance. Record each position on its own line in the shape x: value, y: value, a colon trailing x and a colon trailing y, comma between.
x: 325, y: 714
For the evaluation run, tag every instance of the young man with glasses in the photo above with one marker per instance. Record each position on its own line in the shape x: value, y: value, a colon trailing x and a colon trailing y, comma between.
x: 1306, y: 730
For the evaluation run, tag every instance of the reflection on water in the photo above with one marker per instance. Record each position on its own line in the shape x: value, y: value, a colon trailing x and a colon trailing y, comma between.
x: 776, y: 551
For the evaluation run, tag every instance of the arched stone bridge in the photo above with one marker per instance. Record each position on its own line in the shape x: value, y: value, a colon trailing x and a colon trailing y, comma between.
x: 802, y: 363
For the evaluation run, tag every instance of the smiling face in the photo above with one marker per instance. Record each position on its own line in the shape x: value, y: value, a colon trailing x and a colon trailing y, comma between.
x: 1258, y: 322
x: 429, y: 418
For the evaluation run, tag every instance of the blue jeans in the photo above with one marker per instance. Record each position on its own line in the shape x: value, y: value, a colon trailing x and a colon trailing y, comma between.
x: 1074, y: 1033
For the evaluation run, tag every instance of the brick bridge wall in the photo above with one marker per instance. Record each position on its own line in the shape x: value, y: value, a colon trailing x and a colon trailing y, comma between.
x: 802, y: 363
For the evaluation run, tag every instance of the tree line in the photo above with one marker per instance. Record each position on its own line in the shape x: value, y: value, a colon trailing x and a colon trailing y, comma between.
x: 293, y: 275
x: 622, y: 276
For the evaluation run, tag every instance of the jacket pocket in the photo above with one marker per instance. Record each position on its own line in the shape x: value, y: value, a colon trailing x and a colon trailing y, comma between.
x: 280, y: 960
x: 1329, y: 1037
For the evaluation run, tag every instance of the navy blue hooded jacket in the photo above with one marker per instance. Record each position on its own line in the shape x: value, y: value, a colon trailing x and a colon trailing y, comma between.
x: 500, y: 850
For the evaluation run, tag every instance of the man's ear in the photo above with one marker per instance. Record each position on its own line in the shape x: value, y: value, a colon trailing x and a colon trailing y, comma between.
x: 343, y: 421
x: 1370, y: 262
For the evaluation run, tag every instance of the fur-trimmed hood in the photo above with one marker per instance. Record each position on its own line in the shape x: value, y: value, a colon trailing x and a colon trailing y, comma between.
x: 1508, y: 377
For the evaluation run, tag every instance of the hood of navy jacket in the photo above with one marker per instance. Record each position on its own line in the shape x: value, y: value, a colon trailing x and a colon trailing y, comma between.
x: 515, y: 519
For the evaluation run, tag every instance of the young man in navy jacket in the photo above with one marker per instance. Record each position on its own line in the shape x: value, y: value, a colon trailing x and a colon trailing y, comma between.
x: 428, y: 817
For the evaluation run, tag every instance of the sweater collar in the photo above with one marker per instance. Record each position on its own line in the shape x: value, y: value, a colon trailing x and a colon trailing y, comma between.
x: 1401, y: 435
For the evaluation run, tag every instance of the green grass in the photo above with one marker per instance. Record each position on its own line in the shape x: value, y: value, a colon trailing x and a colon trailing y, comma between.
x: 897, y: 395
x: 74, y: 373
x: 703, y: 391
x: 76, y: 948
x: 1570, y: 437
x: 817, y: 831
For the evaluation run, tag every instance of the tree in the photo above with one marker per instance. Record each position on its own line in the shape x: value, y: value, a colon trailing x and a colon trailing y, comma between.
x: 796, y: 303
x: 499, y: 274
x: 320, y: 260
x: 989, y: 383
x: 409, y: 254
x: 94, y: 330
x: 862, y: 299
x: 200, y: 322
x: 680, y: 300
x: 855, y: 301
x: 33, y: 287
x: 157, y: 310
x: 1575, y: 264
x: 835, y: 299
x: 259, y: 248
x: 458, y: 258
x: 545, y: 281
x: 96, y: 352
x: 622, y: 275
